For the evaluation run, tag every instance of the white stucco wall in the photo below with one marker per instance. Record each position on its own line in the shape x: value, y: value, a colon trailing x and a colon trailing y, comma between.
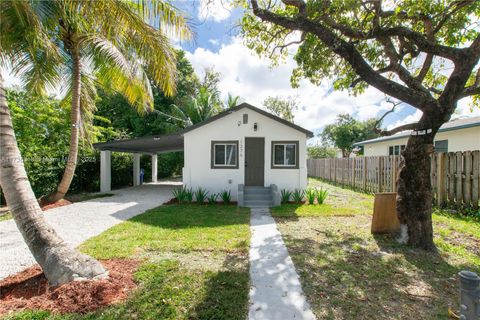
x: 458, y: 140
x: 197, y: 154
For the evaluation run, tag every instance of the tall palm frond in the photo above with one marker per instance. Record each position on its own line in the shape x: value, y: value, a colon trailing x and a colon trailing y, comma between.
x: 26, y: 46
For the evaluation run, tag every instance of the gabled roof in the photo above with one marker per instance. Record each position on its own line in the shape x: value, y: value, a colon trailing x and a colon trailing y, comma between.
x: 174, y: 142
x: 249, y: 106
x: 449, y: 126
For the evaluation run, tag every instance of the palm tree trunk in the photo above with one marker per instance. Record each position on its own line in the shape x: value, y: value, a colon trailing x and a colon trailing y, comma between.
x: 74, y: 130
x: 60, y: 262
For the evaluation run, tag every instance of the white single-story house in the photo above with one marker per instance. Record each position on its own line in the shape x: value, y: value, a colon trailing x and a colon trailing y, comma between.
x: 244, y: 150
x: 453, y: 136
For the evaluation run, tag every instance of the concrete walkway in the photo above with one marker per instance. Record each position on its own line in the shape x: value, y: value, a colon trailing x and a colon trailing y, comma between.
x: 275, y: 292
x: 77, y: 222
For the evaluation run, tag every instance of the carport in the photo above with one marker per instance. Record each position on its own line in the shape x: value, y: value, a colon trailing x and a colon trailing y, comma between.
x: 152, y: 145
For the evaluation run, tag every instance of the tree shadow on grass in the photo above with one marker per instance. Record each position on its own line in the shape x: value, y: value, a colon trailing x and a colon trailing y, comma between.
x: 344, y: 278
x: 226, y: 296
x: 170, y: 291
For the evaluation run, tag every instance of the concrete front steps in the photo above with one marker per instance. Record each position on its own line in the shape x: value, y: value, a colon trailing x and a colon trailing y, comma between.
x: 258, y: 197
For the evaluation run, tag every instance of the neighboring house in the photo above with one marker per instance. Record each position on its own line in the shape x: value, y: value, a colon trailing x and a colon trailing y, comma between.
x: 244, y: 150
x: 456, y: 135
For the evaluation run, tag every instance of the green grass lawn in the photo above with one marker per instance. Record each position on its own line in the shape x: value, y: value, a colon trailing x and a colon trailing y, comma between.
x: 6, y: 216
x: 347, y: 273
x: 195, y: 264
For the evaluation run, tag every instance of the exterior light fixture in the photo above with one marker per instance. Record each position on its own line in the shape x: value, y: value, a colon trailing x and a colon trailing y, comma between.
x: 255, y: 126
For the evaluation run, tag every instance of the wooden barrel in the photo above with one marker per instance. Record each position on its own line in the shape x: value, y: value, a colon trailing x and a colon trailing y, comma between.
x: 385, y: 218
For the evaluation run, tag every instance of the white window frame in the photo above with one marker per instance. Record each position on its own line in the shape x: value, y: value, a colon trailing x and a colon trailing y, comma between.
x: 225, y: 144
x: 284, y: 144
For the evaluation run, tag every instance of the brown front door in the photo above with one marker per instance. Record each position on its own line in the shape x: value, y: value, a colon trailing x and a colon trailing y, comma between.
x: 254, y: 161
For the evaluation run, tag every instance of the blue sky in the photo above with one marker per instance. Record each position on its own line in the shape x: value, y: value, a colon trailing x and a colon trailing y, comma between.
x: 217, y: 44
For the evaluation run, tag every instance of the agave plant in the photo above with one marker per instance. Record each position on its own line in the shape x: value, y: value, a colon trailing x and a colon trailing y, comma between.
x: 311, y: 194
x: 189, y: 195
x: 212, y: 198
x: 225, y: 196
x: 298, y: 195
x: 285, y: 195
x: 321, y: 195
x: 183, y: 194
x: 201, y: 195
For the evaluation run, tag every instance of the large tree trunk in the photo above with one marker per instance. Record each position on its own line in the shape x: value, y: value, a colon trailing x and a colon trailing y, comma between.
x: 74, y: 129
x: 415, y: 199
x: 60, y: 262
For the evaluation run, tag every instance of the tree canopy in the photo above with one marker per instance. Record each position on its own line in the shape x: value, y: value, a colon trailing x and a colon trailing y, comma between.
x: 421, y: 52
x: 281, y: 107
x: 319, y: 152
x: 346, y: 131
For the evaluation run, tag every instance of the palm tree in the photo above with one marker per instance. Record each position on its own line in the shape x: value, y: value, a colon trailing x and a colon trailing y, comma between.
x: 113, y: 44
x: 197, y: 109
x: 42, y: 41
x: 26, y: 46
x: 232, y: 101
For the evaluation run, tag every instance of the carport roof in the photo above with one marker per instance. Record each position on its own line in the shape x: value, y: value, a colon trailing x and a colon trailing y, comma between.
x: 151, y: 144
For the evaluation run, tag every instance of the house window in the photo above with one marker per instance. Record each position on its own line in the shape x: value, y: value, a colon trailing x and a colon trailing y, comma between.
x: 285, y: 154
x: 224, y: 155
x: 441, y: 146
x: 396, y: 150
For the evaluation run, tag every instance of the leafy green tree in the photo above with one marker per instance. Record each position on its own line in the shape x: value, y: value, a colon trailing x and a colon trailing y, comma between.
x: 346, y: 131
x: 320, y: 152
x: 161, y: 120
x: 421, y: 52
x: 281, y: 107
x: 111, y: 43
x: 26, y: 45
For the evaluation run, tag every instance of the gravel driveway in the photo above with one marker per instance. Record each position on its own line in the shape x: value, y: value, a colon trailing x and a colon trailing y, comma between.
x: 77, y: 222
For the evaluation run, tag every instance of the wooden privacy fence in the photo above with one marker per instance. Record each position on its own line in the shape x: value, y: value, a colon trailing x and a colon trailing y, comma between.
x: 455, y: 176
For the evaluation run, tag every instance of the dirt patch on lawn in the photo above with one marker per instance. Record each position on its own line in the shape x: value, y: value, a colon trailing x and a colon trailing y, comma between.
x: 29, y: 289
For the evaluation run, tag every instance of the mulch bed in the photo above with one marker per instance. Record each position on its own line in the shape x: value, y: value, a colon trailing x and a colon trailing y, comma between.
x: 29, y: 289
x: 59, y: 203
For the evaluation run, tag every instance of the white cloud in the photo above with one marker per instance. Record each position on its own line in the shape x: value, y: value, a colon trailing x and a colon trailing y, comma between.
x: 247, y: 75
x: 250, y: 77
x: 214, y: 42
x: 216, y: 10
x: 408, y: 119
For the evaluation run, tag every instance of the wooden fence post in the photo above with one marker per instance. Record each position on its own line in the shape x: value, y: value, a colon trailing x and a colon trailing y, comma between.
x: 467, y: 185
x: 476, y: 178
x: 394, y: 173
x: 365, y: 174
x: 353, y: 172
x: 458, y: 178
x: 441, y: 191
x: 380, y: 174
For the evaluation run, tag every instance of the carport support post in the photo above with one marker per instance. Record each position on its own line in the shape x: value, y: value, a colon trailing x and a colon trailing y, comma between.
x: 105, y: 171
x: 154, y: 168
x: 136, y: 169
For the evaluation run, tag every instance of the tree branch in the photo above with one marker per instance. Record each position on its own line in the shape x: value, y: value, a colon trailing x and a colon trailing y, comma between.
x: 348, y: 52
x: 379, y: 121
x: 455, y: 86
x: 410, y: 126
x: 300, y: 4
x: 470, y: 91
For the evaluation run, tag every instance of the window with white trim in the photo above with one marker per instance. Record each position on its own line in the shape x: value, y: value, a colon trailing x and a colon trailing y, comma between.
x: 396, y: 150
x: 225, y: 154
x: 284, y: 154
